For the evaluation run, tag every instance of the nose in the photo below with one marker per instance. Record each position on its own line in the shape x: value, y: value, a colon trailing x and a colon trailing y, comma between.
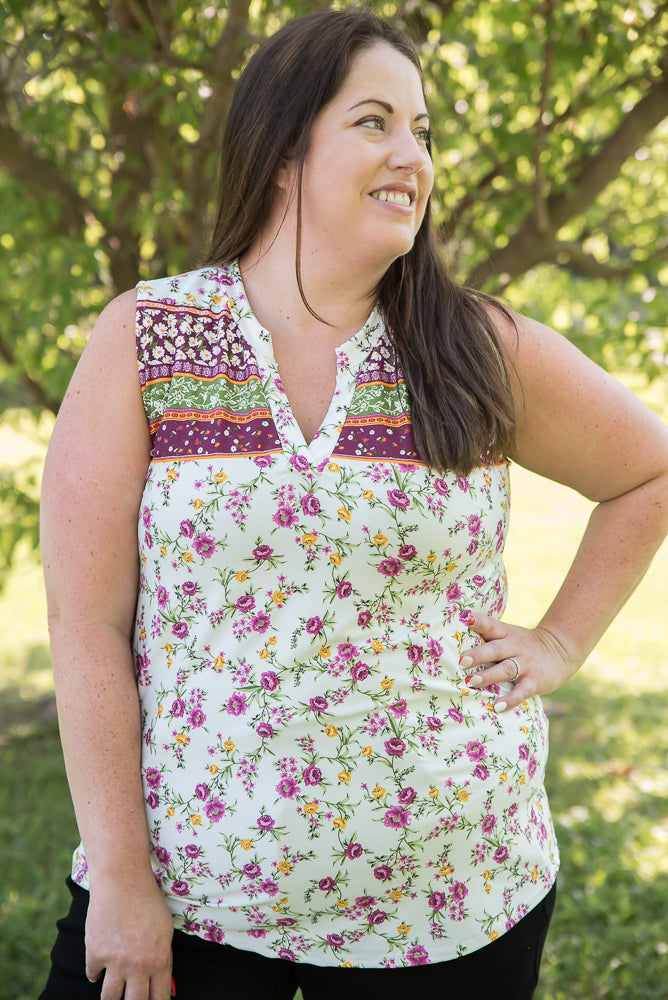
x: 408, y: 153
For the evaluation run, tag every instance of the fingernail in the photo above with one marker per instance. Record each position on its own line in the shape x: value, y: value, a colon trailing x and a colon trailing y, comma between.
x: 500, y: 706
x: 471, y: 620
x: 466, y: 661
x: 173, y: 987
x: 475, y: 681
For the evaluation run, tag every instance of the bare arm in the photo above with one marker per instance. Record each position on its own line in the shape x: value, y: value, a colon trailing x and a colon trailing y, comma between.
x: 580, y: 427
x: 93, y: 480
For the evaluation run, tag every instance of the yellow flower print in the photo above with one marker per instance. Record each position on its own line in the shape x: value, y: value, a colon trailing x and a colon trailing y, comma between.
x: 144, y: 559
x: 310, y: 808
x: 487, y: 874
x: 161, y: 709
x: 170, y: 811
x: 264, y: 654
x: 525, y: 730
x: 333, y: 467
x: 377, y: 644
x: 434, y: 793
x: 445, y: 870
x: 463, y: 796
x: 309, y: 538
x: 142, y: 634
x: 216, y: 299
x: 368, y: 494
x: 325, y: 652
x: 241, y: 576
x: 522, y: 779
x: 380, y: 539
x: 488, y: 888
x: 340, y: 823
x: 367, y: 751
x: 246, y: 844
x: 344, y: 776
x: 403, y: 928
x: 277, y: 908
x: 344, y: 513
x: 331, y: 731
x: 284, y: 901
x: 431, y: 558
x: 451, y: 567
x: 272, y: 640
x: 219, y: 662
x: 196, y: 819
x: 229, y: 745
x: 163, y: 550
x: 493, y: 936
x: 458, y: 636
x: 503, y: 776
x: 278, y: 597
x: 182, y: 739
x: 187, y: 557
x: 198, y: 504
x: 219, y: 477
x: 347, y: 965
x: 342, y: 903
x: 396, y: 894
x: 213, y: 770
x: 534, y: 874
x: 336, y: 559
x: 285, y: 867
x: 378, y: 792
x: 386, y: 683
x: 172, y: 475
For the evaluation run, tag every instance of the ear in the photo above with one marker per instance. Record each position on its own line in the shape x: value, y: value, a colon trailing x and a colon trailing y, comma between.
x: 285, y: 175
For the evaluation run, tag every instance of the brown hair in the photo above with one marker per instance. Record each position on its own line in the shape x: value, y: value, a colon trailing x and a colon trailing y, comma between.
x: 446, y: 344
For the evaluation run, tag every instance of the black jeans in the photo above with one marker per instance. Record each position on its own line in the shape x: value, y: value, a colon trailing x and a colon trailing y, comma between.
x: 506, y: 969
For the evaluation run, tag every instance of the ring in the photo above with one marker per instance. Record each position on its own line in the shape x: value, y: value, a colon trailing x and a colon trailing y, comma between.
x: 517, y: 667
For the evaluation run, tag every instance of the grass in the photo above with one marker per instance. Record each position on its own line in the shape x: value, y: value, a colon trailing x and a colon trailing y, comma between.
x: 607, y: 777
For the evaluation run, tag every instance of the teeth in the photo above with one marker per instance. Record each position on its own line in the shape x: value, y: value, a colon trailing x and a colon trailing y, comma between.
x: 394, y: 197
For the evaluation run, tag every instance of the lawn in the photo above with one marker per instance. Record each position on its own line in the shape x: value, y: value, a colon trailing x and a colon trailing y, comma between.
x: 607, y: 780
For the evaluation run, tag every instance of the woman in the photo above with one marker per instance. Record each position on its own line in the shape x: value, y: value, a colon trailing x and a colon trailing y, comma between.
x: 318, y: 785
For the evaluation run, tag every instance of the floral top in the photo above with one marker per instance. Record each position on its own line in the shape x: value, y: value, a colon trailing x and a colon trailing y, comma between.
x: 321, y: 784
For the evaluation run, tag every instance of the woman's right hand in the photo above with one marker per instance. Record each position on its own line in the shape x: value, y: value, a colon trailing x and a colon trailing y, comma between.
x: 129, y: 937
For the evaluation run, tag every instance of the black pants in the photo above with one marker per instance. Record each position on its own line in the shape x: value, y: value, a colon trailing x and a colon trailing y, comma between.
x: 506, y: 969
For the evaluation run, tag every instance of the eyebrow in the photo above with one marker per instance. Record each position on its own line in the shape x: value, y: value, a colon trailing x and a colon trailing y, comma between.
x: 387, y: 107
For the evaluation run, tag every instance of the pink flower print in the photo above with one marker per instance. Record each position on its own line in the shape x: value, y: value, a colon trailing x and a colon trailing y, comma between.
x: 523, y: 751
x: 263, y: 461
x: 202, y: 791
x: 399, y: 709
x: 257, y: 932
x: 146, y: 517
x: 359, y: 671
x: 260, y: 622
x: 300, y: 463
x: 366, y: 902
x: 252, y: 870
x: 472, y: 547
x: 310, y: 504
x: 346, y: 650
x: 488, y: 824
x: 204, y: 545
x: 377, y: 917
x: 531, y: 769
x: 415, y: 653
x: 434, y: 723
x: 180, y: 629
x: 187, y: 529
x: 474, y: 524
x: 390, y: 566
x: 261, y: 552
x: 314, y: 625
x: 383, y: 872
x: 163, y: 597
x: 236, y: 704
x: 417, y: 955
x: 178, y: 708
x: 269, y: 680
x: 189, y: 588
x: 437, y: 900
x: 353, y: 850
x: 327, y: 884
x: 364, y: 619
x: 192, y: 851
x: 152, y: 800
x: 215, y: 809
x: 312, y: 775
x: 501, y: 854
x: 396, y: 817
x: 180, y: 887
x: 285, y: 953
x: 153, y: 777
x: 285, y: 517
x: 335, y: 941
x: 269, y: 887
x: 266, y: 822
x: 453, y: 592
x: 287, y: 787
x: 407, y: 552
x: 463, y: 483
x: 395, y: 746
x: 344, y: 589
x: 197, y: 717
x: 163, y: 855
x: 264, y: 730
x: 406, y: 795
x: 319, y: 704
x: 455, y: 715
x: 399, y: 499
x: 458, y: 891
x: 478, y: 580
x: 480, y: 772
x: 245, y: 603
x: 475, y: 751
x: 442, y: 487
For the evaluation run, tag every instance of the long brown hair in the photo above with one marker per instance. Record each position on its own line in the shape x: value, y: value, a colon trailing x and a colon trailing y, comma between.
x: 446, y: 344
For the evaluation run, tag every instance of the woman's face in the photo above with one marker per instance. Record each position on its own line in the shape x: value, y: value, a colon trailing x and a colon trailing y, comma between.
x: 367, y: 175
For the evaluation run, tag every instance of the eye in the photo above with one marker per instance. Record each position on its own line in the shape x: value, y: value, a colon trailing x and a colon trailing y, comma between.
x: 423, y: 135
x: 374, y: 122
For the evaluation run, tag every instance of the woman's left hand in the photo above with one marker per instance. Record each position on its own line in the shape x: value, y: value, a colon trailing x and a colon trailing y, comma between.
x: 533, y: 660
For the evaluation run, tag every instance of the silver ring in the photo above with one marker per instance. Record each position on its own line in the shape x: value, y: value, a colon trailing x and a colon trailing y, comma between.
x: 517, y: 667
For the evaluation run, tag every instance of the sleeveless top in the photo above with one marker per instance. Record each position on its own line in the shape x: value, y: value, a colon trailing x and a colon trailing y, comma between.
x: 321, y: 785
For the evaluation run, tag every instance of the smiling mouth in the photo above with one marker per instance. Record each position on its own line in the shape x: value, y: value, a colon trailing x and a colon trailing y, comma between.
x: 394, y: 197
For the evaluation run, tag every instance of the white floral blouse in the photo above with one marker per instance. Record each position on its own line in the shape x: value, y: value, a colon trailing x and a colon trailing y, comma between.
x: 321, y: 785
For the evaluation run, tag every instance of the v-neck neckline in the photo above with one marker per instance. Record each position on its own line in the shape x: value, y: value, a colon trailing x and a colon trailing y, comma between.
x: 350, y: 356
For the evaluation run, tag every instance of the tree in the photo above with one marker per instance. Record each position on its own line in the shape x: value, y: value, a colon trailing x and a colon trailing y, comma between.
x: 551, y: 150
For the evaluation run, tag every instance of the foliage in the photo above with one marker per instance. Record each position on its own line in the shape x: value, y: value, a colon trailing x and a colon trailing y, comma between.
x: 551, y: 139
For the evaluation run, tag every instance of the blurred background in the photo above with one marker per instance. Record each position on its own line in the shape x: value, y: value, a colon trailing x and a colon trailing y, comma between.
x: 551, y: 153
